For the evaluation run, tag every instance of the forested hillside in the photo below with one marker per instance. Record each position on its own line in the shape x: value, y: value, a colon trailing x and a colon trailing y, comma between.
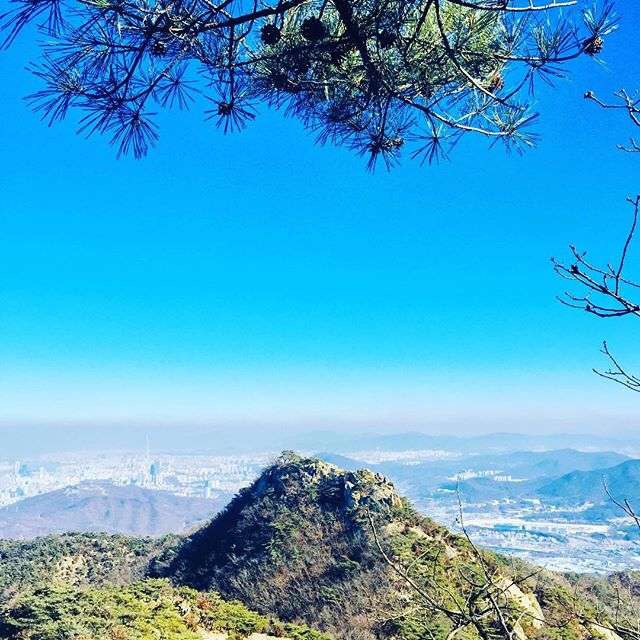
x: 344, y: 552
x: 78, y: 560
x: 315, y: 547
x: 622, y: 481
x: 140, y: 611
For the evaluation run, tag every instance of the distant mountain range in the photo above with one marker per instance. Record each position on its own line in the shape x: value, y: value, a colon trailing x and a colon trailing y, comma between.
x: 528, y: 470
x: 470, y: 445
x: 622, y: 480
x: 28, y: 441
x: 109, y: 508
x: 558, y: 462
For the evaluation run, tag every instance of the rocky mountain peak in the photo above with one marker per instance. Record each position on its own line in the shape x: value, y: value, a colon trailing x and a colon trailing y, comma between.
x: 292, y: 474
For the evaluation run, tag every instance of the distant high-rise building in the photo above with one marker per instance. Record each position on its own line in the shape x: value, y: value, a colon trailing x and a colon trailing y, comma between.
x: 154, y: 473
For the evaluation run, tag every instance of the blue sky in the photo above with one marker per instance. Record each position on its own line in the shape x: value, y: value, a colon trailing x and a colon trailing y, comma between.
x: 259, y: 279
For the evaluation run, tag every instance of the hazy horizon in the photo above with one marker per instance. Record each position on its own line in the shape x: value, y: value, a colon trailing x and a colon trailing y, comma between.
x: 25, y: 441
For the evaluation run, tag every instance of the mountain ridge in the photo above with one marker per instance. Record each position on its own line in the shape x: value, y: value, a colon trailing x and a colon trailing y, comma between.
x: 105, y: 507
x: 621, y: 480
x: 313, y: 544
x: 306, y: 546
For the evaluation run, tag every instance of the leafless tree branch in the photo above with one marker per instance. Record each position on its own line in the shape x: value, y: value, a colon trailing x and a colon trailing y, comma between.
x: 605, y: 290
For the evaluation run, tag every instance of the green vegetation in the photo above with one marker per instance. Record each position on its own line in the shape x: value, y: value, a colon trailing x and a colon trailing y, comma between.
x: 307, y: 542
x: 77, y: 559
x: 296, y: 544
x: 374, y: 76
x: 144, y: 610
x: 310, y: 545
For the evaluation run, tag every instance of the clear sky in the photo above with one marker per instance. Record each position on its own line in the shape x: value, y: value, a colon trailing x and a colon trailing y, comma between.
x: 260, y: 279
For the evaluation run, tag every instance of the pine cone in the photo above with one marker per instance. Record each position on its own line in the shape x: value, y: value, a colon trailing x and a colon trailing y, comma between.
x: 386, y: 39
x: 593, y: 45
x: 225, y: 108
x: 313, y: 29
x: 496, y: 82
x: 159, y: 48
x: 270, y: 34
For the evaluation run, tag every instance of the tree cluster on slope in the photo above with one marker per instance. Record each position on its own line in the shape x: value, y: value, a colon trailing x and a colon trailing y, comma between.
x: 76, y: 559
x: 144, y: 610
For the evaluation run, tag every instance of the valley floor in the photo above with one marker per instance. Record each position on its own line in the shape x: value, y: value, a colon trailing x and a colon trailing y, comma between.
x: 557, y: 544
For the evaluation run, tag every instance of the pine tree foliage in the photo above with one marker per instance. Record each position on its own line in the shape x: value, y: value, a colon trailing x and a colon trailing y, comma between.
x: 143, y: 610
x: 370, y: 74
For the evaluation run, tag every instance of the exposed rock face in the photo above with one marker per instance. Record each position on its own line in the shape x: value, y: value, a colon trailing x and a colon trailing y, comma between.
x: 527, y: 602
x: 352, y: 490
x: 603, y: 633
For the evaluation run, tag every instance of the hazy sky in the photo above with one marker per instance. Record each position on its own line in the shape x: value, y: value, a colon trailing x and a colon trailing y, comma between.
x: 258, y: 278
